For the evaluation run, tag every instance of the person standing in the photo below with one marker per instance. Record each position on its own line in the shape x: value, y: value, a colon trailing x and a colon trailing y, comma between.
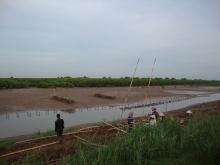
x: 59, y: 126
x: 130, y: 121
x: 152, y: 110
x: 189, y: 113
x: 161, y: 116
x: 155, y: 113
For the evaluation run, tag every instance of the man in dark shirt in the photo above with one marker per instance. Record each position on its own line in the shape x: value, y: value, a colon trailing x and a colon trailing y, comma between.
x: 155, y: 113
x: 59, y: 126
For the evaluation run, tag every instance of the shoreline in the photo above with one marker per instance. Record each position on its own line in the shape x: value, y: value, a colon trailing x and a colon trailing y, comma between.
x: 193, y: 107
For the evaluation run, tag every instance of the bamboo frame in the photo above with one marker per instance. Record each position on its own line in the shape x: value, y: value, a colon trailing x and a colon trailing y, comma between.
x: 114, y: 127
x: 128, y: 91
x: 89, y: 142
x: 52, y: 136
x: 148, y: 88
x: 12, y: 153
x: 88, y: 128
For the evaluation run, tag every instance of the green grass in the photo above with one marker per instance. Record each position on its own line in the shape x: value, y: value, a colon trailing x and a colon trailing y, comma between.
x: 39, y: 134
x: 167, y: 143
x: 5, y: 143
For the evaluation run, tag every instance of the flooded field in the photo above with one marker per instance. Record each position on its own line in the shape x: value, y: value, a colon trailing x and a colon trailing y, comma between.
x: 15, y: 124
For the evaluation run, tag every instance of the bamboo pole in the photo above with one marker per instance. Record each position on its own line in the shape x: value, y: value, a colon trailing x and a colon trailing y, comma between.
x: 88, y: 128
x: 79, y: 131
x: 12, y: 153
x: 89, y: 142
x: 145, y: 99
x: 115, y: 127
x: 166, y: 99
x: 128, y: 91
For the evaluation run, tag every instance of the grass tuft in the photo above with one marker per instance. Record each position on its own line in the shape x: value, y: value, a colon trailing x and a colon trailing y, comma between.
x: 6, y: 142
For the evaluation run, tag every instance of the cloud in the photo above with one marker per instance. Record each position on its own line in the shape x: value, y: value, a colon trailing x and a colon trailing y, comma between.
x: 106, y: 38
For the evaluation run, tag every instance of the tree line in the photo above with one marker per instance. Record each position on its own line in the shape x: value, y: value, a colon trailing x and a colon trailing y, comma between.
x: 68, y: 82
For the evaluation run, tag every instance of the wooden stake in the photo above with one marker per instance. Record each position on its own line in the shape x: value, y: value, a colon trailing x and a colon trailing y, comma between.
x: 128, y: 91
x: 145, y: 99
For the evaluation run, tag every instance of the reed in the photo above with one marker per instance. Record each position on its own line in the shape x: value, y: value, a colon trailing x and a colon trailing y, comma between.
x: 167, y: 142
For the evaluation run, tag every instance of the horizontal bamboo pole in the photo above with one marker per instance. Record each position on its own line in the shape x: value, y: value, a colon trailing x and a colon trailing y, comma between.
x: 52, y: 136
x: 12, y: 153
x: 29, y: 140
x: 88, y: 128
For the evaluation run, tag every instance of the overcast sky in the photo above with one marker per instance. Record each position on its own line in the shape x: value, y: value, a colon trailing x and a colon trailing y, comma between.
x: 97, y: 38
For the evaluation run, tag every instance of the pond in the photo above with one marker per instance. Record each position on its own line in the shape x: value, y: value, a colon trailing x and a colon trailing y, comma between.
x: 21, y: 123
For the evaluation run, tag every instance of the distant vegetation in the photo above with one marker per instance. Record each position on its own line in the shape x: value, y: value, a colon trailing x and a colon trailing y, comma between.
x: 68, y: 82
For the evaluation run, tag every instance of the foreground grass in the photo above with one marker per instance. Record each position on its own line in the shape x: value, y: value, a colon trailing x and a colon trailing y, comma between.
x: 168, y: 143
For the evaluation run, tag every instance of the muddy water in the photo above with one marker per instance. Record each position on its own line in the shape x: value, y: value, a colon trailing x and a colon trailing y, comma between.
x: 29, y: 122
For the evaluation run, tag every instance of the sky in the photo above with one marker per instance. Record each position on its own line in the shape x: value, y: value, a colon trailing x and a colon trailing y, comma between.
x: 105, y: 38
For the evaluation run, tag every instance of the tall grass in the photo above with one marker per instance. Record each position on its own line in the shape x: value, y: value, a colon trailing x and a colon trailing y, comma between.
x: 167, y: 143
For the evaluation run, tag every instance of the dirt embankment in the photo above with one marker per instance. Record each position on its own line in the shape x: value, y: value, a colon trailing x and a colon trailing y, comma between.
x: 13, y: 100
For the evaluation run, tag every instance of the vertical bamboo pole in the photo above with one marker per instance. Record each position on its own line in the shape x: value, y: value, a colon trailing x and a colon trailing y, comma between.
x: 128, y: 91
x: 166, y: 99
x: 145, y: 99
